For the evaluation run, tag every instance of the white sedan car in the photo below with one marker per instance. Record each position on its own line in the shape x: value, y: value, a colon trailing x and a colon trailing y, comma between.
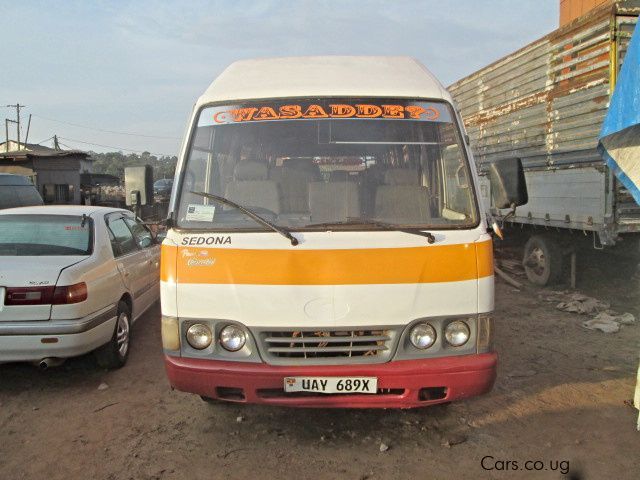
x: 73, y: 279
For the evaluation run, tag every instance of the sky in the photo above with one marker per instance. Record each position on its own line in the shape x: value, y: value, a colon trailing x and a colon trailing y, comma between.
x: 94, y: 71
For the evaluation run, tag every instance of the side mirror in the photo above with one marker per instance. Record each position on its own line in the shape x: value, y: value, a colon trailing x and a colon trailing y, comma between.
x: 508, y: 185
x: 161, y: 236
x: 146, y: 242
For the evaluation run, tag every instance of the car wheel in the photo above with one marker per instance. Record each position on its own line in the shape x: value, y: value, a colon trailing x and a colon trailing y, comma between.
x: 114, y: 354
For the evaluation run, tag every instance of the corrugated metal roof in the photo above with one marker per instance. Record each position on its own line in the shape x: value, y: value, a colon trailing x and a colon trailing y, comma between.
x: 34, y: 150
x: 329, y: 76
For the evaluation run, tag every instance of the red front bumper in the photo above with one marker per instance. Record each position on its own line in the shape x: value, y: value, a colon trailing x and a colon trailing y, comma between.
x: 403, y: 383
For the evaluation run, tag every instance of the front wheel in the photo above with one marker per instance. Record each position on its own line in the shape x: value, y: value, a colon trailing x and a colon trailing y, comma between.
x: 114, y: 354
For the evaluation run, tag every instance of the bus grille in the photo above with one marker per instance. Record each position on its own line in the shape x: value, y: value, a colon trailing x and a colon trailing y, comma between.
x: 327, y: 346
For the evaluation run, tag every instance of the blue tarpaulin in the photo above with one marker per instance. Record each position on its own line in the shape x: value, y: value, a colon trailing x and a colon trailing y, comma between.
x: 620, y: 136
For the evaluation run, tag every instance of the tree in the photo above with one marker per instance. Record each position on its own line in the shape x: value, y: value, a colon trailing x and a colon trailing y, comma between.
x: 114, y: 163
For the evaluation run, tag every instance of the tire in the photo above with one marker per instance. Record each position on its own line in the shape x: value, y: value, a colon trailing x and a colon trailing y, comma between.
x: 115, y: 353
x: 542, y: 260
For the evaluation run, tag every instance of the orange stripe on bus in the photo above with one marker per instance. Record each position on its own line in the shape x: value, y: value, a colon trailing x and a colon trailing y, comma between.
x: 445, y: 263
x: 485, y: 259
x: 168, y: 256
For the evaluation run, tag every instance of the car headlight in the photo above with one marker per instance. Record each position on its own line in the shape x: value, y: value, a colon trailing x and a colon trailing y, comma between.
x: 233, y: 338
x: 199, y: 336
x: 457, y: 333
x: 422, y: 336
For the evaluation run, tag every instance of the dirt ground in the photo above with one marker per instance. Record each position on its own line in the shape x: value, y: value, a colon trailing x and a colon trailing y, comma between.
x: 559, y: 400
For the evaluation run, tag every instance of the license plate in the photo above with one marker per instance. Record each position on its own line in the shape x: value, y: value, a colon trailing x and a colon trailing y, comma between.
x: 331, y: 384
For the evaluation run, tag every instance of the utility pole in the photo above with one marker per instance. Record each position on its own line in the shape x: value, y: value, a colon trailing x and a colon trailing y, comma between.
x: 7, y: 121
x: 17, y: 106
x: 26, y: 137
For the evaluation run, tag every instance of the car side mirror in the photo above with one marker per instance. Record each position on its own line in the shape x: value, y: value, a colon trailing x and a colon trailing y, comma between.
x: 508, y: 184
x: 146, y: 242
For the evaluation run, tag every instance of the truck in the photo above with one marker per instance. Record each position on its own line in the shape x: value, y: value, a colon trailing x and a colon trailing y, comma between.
x: 325, y: 244
x: 544, y: 104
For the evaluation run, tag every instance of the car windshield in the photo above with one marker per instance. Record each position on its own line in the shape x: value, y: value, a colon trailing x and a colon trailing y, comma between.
x: 328, y: 163
x: 45, y: 235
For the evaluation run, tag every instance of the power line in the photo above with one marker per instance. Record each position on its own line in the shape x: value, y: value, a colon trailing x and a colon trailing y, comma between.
x: 45, y: 140
x: 67, y: 146
x: 117, y: 148
x: 105, y: 131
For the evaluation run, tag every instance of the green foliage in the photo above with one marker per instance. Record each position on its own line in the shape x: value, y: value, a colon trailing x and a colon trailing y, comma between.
x: 114, y: 163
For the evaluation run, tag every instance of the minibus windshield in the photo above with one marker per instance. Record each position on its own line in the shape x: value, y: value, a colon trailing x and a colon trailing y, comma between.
x: 318, y: 164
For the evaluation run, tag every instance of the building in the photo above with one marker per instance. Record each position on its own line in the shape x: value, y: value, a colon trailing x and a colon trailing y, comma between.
x: 56, y: 173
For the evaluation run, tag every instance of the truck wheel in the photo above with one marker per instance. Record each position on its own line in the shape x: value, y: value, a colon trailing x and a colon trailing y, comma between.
x: 542, y: 260
x: 114, y: 354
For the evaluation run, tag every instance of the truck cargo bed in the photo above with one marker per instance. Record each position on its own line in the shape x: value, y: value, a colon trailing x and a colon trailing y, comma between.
x: 545, y: 104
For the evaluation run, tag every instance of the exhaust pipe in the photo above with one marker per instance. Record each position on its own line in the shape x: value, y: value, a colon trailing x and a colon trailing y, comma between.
x: 49, y: 362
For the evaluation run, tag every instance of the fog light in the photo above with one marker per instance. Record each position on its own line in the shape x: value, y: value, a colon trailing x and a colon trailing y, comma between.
x: 233, y: 338
x: 422, y: 336
x: 199, y: 336
x: 456, y: 333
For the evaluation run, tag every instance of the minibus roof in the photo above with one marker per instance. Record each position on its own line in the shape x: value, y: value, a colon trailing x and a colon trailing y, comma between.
x: 329, y: 76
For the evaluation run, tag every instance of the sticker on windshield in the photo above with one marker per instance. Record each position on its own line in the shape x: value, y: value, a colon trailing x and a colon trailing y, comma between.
x: 200, y: 213
x: 417, y: 111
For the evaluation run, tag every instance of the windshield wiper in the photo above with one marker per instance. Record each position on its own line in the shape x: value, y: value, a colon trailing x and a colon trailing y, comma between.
x: 388, y: 226
x: 415, y: 231
x: 282, y: 231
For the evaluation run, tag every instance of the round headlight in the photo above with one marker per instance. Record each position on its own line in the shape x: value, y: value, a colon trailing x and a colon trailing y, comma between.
x: 199, y: 336
x: 422, y: 336
x: 233, y: 338
x: 456, y: 333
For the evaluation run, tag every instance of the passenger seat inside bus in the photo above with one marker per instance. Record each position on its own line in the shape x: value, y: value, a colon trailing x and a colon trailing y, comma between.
x: 294, y: 178
x: 251, y: 188
x: 402, y: 199
x: 333, y: 201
